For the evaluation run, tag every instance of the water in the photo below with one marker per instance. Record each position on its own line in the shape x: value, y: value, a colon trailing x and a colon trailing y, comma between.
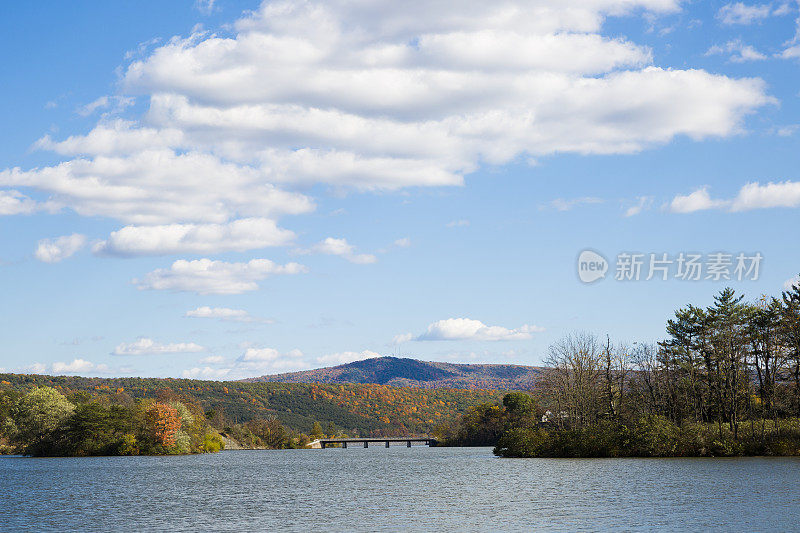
x: 399, y: 488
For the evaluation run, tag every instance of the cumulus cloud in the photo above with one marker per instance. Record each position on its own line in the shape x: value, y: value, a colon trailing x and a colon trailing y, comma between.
x: 224, y: 313
x: 35, y: 368
x: 698, y: 200
x: 342, y: 248
x: 205, y: 276
x: 239, y: 235
x: 159, y: 186
x: 269, y: 360
x: 753, y: 195
x: 757, y: 196
x: 58, y: 249
x: 378, y: 96
x: 78, y: 366
x: 741, y: 13
x: 206, y: 372
x: 15, y: 203
x: 253, y: 362
x: 145, y: 346
x: 453, y: 329
x: 341, y: 358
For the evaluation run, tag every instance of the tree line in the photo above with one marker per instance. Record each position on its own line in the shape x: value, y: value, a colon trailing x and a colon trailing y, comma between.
x: 724, y: 381
x: 44, y: 423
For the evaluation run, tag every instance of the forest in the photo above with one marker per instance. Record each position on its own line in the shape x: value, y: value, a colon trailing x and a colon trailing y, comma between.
x: 253, y: 415
x: 724, y: 382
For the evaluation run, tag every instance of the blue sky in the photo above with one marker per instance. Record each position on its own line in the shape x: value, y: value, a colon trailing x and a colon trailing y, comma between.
x: 231, y: 189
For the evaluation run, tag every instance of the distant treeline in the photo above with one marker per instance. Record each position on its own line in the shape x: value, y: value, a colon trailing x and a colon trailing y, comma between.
x: 255, y: 415
x: 726, y: 381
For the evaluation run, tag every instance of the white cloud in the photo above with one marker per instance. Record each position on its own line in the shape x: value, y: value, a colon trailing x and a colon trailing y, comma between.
x: 225, y: 313
x: 341, y: 358
x: 205, y: 276
x: 160, y: 187
x: 205, y: 7
x: 145, y: 346
x: 786, y: 131
x: 91, y: 107
x: 269, y: 360
x: 741, y: 13
x: 561, y: 204
x: 35, y: 368
x: 699, y: 200
x: 791, y: 52
x: 212, y: 360
x: 253, y: 355
x: 467, y: 329
x: 791, y: 282
x: 458, y: 223
x: 739, y: 51
x: 206, y: 372
x: 239, y: 235
x: 58, y: 249
x: 77, y: 366
x: 371, y: 96
x: 116, y: 103
x: 757, y: 196
x: 642, y: 203
x: 405, y: 242
x: 753, y: 195
x: 342, y: 248
x: 403, y: 337
x: 15, y: 203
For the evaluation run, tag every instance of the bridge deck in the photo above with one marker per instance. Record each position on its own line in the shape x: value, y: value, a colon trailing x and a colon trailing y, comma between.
x: 324, y: 443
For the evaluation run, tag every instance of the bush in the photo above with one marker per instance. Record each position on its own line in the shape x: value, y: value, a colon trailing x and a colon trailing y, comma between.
x: 212, y: 443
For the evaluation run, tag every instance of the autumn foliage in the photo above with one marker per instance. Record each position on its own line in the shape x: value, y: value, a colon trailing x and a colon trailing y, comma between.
x: 163, y: 422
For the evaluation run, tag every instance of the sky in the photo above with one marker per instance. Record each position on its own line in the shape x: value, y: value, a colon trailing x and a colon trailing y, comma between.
x: 224, y: 189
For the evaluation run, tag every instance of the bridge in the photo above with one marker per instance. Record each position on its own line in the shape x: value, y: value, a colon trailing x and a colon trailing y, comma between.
x: 324, y: 443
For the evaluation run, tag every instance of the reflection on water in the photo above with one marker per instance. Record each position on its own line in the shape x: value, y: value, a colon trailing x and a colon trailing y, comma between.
x: 379, y: 489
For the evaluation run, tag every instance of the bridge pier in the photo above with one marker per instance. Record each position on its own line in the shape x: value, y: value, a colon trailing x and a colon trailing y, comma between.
x: 387, y: 443
x: 344, y: 445
x: 366, y: 444
x: 408, y: 443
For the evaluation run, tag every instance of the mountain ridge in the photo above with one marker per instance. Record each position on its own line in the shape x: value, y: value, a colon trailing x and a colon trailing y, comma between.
x: 407, y: 372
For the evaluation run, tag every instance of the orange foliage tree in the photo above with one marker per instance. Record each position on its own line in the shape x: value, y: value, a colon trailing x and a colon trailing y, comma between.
x: 163, y: 422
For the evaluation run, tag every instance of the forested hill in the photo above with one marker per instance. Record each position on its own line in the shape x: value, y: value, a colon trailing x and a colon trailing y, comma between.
x: 356, y: 409
x: 403, y: 372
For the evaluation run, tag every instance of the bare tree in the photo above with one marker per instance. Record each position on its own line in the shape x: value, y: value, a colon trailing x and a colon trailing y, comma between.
x: 575, y: 367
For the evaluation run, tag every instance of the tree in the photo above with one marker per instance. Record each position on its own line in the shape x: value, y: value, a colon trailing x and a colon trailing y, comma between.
x: 573, y: 378
x: 790, y: 336
x: 95, y: 429
x: 162, y: 422
x: 37, y: 417
x: 316, y: 430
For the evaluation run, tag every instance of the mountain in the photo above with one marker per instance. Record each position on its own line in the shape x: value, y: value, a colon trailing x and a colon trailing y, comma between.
x: 404, y: 372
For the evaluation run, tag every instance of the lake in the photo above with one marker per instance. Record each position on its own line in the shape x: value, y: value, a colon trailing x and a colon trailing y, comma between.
x: 394, y: 489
